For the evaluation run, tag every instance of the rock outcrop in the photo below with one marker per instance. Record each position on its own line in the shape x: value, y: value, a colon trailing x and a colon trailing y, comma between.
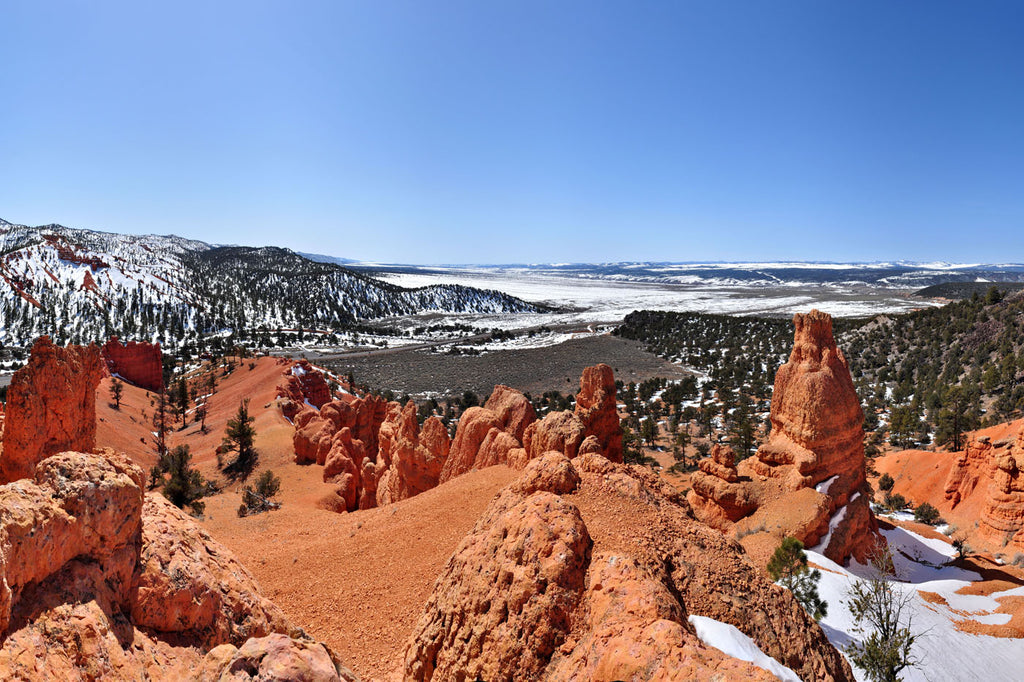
x: 51, y: 407
x: 546, y: 586
x: 302, y: 385
x: 274, y: 657
x: 373, y: 450
x: 98, y: 581
x: 412, y: 458
x: 376, y: 453
x: 1002, y: 518
x: 506, y: 430
x: 138, y: 363
x: 808, y: 479
x: 597, y: 411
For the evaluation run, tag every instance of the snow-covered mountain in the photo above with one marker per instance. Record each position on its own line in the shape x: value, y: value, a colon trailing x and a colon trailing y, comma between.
x: 81, y: 285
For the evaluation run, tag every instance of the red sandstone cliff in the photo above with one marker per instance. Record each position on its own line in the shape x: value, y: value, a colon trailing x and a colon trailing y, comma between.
x: 808, y: 480
x: 51, y: 407
x: 138, y: 363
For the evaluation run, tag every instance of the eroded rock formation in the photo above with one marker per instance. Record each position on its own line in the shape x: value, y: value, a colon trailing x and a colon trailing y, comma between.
x: 545, y: 586
x: 138, y: 363
x: 51, y: 407
x: 376, y: 453
x: 98, y: 581
x: 1002, y: 518
x: 302, y: 385
x: 808, y: 479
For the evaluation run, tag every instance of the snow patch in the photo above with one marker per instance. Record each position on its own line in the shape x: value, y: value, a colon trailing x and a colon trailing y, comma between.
x: 731, y: 642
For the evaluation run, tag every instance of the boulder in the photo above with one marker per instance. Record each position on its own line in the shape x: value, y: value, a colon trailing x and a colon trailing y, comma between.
x: 559, y: 431
x: 504, y: 602
x: 189, y: 585
x: 51, y: 407
x: 274, y: 657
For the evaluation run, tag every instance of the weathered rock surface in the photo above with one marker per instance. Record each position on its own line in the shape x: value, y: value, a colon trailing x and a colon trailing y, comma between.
x: 96, y: 583
x: 138, y: 363
x: 1002, y: 519
x: 274, y: 657
x: 513, y: 410
x: 413, y: 457
x: 637, y: 630
x: 474, y: 426
x: 596, y: 409
x: 812, y: 469
x: 303, y: 384
x: 187, y: 584
x: 521, y: 598
x: 504, y: 602
x: 51, y: 407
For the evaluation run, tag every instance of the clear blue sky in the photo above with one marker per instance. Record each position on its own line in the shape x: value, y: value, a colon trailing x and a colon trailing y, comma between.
x: 480, y: 131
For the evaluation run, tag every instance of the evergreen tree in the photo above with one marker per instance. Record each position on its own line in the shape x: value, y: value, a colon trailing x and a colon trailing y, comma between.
x: 184, y: 486
x: 116, y: 389
x: 182, y: 400
x: 882, y: 614
x: 240, y: 437
x: 161, y: 417
x: 788, y: 567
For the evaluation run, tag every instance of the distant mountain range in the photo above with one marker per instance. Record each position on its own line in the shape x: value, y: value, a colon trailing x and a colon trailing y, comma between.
x: 893, y: 275
x: 82, y: 285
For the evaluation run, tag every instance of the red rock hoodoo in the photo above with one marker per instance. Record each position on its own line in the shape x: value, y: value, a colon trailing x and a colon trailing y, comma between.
x: 808, y: 480
x: 377, y: 453
x: 51, y: 407
x: 138, y: 363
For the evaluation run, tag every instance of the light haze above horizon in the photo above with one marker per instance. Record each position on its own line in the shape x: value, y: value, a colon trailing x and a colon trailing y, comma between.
x: 524, y: 132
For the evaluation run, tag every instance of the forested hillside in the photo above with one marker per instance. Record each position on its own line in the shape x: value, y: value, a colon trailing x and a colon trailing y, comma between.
x: 924, y: 377
x: 80, y: 286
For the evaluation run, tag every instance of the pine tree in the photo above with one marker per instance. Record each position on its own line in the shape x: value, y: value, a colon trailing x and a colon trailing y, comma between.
x: 182, y: 400
x: 240, y: 437
x: 788, y: 567
x: 160, y: 419
x: 882, y: 613
x: 116, y: 389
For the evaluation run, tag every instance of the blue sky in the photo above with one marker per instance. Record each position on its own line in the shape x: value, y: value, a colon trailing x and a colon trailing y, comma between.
x: 458, y: 132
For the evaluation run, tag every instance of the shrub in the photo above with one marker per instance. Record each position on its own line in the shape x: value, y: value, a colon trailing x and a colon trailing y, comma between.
x: 926, y: 513
x: 258, y: 497
x: 885, y: 483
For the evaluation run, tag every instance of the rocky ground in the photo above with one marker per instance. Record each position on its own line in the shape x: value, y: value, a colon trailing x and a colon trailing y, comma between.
x: 533, y: 370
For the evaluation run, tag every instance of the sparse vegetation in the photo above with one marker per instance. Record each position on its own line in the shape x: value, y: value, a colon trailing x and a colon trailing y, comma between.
x: 183, y: 486
x: 883, y: 615
x: 116, y: 391
x: 926, y: 513
x: 240, y: 437
x: 788, y: 567
x: 258, y: 497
